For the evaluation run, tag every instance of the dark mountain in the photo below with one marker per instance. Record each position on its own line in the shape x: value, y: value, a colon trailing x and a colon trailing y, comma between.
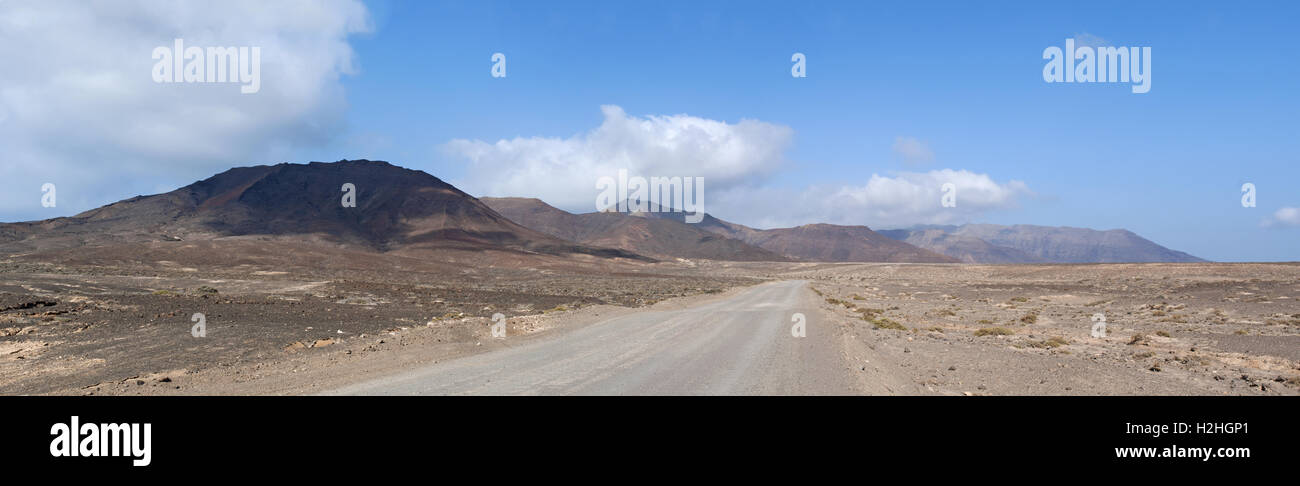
x: 396, y: 208
x: 988, y: 243
x: 657, y: 234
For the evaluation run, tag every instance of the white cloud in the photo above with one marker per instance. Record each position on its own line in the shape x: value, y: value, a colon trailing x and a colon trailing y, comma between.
x: 1088, y: 40
x: 563, y: 171
x: 78, y: 105
x: 905, y: 199
x: 736, y: 161
x: 912, y: 151
x: 1287, y: 216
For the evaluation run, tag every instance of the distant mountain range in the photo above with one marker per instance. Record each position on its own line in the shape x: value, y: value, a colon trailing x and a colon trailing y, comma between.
x: 989, y: 243
x: 665, y: 234
x: 408, y: 210
x: 641, y: 233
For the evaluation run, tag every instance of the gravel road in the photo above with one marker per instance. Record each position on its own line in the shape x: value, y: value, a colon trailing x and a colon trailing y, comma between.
x: 740, y: 345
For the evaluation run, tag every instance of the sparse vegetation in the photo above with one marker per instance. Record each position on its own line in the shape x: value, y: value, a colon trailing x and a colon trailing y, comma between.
x: 1163, y: 334
x: 886, y: 323
x: 834, y: 301
x: 1029, y: 318
x: 993, y: 331
x: 1052, y: 342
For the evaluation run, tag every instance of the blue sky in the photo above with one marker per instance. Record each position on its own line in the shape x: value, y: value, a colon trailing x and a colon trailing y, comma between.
x: 962, y: 78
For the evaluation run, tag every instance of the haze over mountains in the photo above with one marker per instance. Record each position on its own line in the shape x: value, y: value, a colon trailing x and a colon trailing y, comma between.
x: 990, y: 243
x: 400, y: 209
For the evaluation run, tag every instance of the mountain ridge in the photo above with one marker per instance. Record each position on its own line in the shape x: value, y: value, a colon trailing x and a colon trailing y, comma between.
x: 1022, y: 243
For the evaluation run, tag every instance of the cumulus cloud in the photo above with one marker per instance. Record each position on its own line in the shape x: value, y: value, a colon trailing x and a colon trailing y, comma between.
x: 1287, y: 216
x: 912, y: 151
x: 737, y: 161
x: 78, y: 104
x: 563, y: 171
x: 901, y: 200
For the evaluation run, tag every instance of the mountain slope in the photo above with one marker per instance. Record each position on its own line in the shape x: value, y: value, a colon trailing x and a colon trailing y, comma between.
x: 968, y: 249
x: 396, y: 208
x: 642, y: 233
x: 988, y: 243
x: 833, y: 243
x: 819, y: 242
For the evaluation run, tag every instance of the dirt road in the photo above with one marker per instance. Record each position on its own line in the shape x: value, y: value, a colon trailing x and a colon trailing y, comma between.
x: 742, y: 345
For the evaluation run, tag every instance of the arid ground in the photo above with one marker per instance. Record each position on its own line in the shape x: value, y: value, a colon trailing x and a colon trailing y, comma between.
x: 78, y: 327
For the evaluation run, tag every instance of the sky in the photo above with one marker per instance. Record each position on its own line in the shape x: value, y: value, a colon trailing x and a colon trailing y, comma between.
x: 899, y: 98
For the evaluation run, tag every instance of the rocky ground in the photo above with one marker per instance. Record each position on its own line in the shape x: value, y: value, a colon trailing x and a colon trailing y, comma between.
x: 1171, y: 329
x: 95, y: 330
x: 1179, y: 329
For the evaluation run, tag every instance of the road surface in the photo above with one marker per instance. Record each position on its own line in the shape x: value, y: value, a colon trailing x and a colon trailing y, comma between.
x: 741, y: 345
